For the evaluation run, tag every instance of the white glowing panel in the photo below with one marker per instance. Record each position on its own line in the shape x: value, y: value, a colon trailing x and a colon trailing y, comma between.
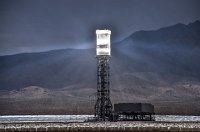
x: 103, y: 42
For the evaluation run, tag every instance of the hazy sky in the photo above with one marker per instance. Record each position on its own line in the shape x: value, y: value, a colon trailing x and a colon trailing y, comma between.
x: 40, y: 25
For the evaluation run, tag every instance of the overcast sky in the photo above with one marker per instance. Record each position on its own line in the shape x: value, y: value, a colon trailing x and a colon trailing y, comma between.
x: 40, y: 25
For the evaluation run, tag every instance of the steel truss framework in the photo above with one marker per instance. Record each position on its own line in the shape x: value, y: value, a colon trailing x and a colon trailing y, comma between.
x: 103, y: 107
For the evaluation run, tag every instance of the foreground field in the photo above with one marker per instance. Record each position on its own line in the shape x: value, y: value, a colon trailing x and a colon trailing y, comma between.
x: 103, y: 126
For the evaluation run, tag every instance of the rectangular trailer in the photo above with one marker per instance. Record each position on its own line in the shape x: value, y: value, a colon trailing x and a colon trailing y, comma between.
x: 133, y: 112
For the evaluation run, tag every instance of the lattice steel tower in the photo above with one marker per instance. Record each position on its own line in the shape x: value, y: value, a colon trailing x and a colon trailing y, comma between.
x: 103, y: 107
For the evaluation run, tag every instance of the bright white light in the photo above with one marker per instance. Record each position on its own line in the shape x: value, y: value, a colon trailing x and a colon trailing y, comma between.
x: 103, y: 42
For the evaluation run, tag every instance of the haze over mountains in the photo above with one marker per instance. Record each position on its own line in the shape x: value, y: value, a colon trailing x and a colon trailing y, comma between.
x: 161, y: 67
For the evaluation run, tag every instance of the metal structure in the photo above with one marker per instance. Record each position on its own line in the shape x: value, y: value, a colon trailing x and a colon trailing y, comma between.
x: 103, y: 106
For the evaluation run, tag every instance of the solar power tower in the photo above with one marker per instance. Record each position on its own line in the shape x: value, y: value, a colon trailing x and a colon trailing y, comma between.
x: 103, y: 106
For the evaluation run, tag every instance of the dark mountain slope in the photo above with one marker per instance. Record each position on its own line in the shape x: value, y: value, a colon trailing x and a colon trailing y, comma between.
x: 179, y: 34
x: 170, y: 50
x: 54, y: 69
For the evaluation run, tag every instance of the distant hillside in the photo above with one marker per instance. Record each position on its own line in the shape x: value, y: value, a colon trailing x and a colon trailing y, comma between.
x: 179, y: 34
x: 161, y: 67
x: 53, y: 69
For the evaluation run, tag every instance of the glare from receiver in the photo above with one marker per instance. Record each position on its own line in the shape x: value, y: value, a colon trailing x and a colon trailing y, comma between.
x: 103, y: 42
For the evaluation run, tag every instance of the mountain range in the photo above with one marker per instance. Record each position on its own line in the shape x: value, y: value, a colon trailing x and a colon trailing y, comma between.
x: 161, y: 67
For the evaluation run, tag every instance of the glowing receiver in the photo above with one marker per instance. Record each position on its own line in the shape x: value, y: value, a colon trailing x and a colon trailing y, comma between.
x: 103, y: 42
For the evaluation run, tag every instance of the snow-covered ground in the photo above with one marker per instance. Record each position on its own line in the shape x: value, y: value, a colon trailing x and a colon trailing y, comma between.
x: 81, y: 118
